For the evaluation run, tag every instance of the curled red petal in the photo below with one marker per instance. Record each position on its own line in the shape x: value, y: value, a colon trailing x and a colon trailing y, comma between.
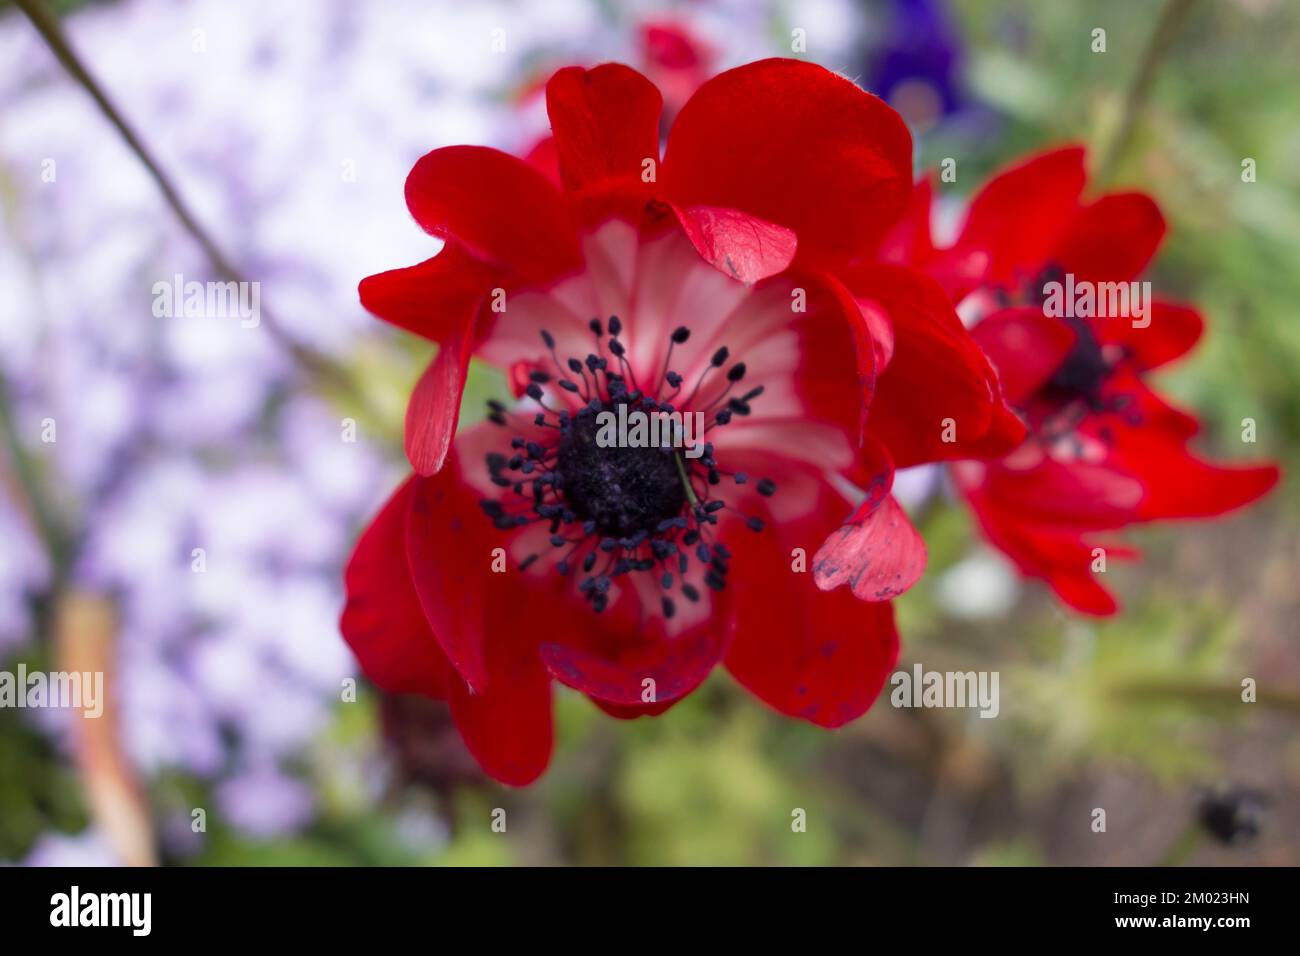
x: 434, y: 406
x: 736, y: 243
x: 877, y: 553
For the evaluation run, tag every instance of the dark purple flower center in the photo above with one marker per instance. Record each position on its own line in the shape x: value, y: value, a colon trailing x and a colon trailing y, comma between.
x: 619, y: 507
x: 621, y: 490
x: 1083, y: 372
x: 1078, y: 386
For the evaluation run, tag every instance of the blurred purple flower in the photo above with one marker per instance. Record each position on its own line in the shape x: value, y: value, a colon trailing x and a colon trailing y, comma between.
x: 88, y: 848
x: 264, y: 802
x: 916, y: 66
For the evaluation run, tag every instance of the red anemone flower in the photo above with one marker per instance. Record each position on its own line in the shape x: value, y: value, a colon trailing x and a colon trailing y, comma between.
x: 723, y: 281
x: 1043, y: 272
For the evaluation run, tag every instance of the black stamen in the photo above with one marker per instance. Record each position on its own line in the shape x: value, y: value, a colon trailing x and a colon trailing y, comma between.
x: 637, y: 506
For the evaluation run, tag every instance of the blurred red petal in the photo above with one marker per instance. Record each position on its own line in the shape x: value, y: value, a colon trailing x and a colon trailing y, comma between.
x: 1026, y: 347
x: 1017, y: 218
x: 1111, y: 239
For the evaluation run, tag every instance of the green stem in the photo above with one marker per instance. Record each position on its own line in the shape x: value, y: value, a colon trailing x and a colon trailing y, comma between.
x: 686, y: 481
x: 1202, y: 692
x: 27, y: 482
x: 1161, y: 39
x: 47, y: 24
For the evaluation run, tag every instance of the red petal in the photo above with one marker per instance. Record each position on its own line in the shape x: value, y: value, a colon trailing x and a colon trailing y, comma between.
x: 1005, y: 433
x: 1140, y: 409
x: 822, y: 656
x: 435, y: 299
x: 1060, y: 556
x: 631, y: 713
x: 434, y: 407
x: 610, y: 657
x: 508, y: 726
x: 1206, y: 490
x: 1112, y: 239
x: 873, y: 473
x: 1018, y: 216
x: 497, y: 206
x: 823, y: 659
x: 937, y: 371
x: 741, y: 245
x: 1074, y: 494
x: 910, y: 241
x: 1179, y: 484
x: 383, y: 622
x: 1173, y: 330
x: 872, y: 340
x: 543, y: 158
x: 485, y: 622
x: 671, y: 46
x: 449, y: 549
x: 794, y: 144
x: 878, y: 554
x: 1025, y: 346
x: 606, y: 125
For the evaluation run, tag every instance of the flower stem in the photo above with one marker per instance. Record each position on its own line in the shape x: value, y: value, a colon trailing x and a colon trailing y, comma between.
x: 26, y: 483
x: 47, y: 24
x: 1162, y: 36
x: 1201, y: 693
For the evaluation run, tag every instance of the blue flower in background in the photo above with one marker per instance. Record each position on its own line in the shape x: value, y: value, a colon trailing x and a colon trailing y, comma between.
x: 917, y: 65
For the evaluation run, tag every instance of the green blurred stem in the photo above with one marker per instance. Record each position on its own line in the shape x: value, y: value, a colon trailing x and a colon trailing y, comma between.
x: 321, y: 366
x: 1202, y: 692
x: 1172, y: 17
x: 27, y: 483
